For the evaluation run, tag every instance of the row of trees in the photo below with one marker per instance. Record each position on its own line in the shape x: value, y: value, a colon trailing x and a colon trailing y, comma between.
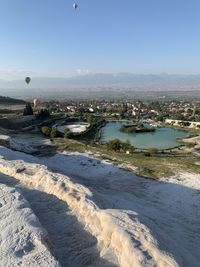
x: 86, y: 117
x: 42, y: 114
x: 53, y: 133
x: 120, y: 146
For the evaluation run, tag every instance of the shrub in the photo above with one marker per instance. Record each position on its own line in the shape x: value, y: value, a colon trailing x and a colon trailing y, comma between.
x: 186, y: 123
x: 132, y: 149
x: 153, y: 150
x: 190, y: 145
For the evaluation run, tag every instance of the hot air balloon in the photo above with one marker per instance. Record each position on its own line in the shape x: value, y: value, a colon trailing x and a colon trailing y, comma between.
x: 75, y: 5
x: 27, y: 80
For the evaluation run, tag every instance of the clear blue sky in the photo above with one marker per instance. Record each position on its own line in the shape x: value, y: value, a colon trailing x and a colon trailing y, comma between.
x: 49, y: 38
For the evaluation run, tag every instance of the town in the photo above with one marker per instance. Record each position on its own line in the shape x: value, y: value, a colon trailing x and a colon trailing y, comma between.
x: 155, y: 111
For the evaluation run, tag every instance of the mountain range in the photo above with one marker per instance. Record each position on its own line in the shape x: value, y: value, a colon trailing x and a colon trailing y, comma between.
x: 107, y: 79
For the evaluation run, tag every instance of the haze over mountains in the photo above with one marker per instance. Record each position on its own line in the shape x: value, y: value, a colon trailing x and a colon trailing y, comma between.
x: 104, y: 86
x: 108, y: 79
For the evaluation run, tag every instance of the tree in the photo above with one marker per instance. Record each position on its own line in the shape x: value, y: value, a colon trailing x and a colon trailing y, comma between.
x: 67, y: 133
x: 28, y: 110
x: 89, y: 118
x: 179, y: 117
x: 53, y: 133
x: 160, y: 118
x: 43, y: 113
x: 46, y: 130
x: 125, y: 145
x: 197, y: 118
x: 118, y: 145
x: 114, y: 145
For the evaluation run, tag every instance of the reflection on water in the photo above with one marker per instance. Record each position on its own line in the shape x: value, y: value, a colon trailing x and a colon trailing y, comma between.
x: 162, y: 138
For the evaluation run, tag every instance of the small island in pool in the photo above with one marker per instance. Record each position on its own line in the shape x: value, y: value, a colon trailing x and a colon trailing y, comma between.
x: 134, y: 128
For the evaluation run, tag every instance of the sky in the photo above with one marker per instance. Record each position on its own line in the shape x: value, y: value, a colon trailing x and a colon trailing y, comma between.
x: 48, y: 38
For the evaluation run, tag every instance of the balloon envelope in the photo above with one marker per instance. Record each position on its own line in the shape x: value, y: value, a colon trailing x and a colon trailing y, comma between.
x: 75, y: 5
x: 27, y: 80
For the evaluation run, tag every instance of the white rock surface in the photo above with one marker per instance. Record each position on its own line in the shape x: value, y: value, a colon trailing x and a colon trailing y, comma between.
x: 16, y: 145
x: 136, y: 222
x: 23, y: 241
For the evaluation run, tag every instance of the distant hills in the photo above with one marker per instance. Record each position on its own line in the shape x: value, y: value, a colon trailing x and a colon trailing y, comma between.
x: 130, y: 79
x: 107, y: 79
x: 104, y: 86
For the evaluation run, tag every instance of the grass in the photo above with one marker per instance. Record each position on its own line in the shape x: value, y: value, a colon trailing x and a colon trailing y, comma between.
x: 154, y: 167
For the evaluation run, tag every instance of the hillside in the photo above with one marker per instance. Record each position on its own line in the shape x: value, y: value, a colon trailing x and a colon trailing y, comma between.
x: 10, y: 101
